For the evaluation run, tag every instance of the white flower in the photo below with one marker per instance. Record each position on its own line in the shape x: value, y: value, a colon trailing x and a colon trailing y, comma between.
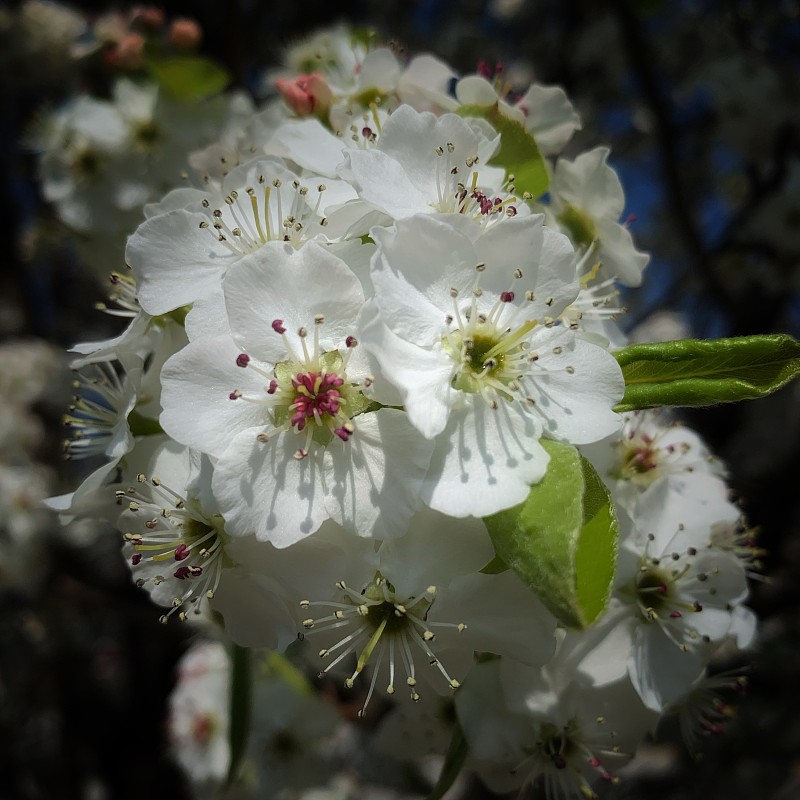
x: 199, y: 713
x: 424, y: 164
x: 183, y: 254
x: 466, y: 331
x: 544, y: 111
x: 674, y: 600
x: 650, y: 451
x: 282, y: 405
x: 587, y: 201
x: 412, y: 610
x: 527, y: 726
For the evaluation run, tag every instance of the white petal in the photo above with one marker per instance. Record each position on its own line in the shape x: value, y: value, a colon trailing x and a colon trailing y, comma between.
x: 502, y: 615
x: 435, y: 551
x: 550, y: 117
x: 196, y: 384
x: 590, y: 183
x: 263, y: 489
x: 423, y: 377
x: 659, y: 671
x: 576, y: 384
x: 374, y: 478
x: 174, y: 261
x: 619, y: 254
x: 484, y: 461
x: 413, y: 271
x: 280, y: 283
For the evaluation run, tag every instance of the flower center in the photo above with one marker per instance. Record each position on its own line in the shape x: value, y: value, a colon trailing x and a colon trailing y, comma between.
x: 657, y: 592
x: 317, y: 397
x: 380, y: 627
x: 165, y: 529
x: 273, y: 211
x: 455, y: 196
x: 490, y: 349
x: 309, y: 392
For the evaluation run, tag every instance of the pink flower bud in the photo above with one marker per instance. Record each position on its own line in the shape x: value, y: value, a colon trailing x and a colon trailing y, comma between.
x: 306, y: 94
x: 128, y: 52
x: 148, y: 17
x: 185, y: 34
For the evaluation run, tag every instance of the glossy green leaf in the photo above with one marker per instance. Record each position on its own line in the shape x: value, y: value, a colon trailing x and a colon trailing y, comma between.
x: 562, y: 541
x: 189, y: 78
x: 518, y: 153
x: 453, y: 763
x: 692, y: 372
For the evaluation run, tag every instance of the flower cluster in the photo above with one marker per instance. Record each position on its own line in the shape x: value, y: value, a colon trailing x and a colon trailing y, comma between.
x: 351, y: 330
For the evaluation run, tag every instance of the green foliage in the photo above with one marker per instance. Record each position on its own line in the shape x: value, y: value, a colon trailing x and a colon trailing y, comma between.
x: 693, y: 372
x: 518, y: 154
x: 562, y: 541
x: 189, y: 78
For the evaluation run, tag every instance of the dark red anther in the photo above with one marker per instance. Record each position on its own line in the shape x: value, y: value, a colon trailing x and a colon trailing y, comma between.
x: 507, y: 297
x: 351, y: 341
x: 675, y: 614
x: 136, y: 558
x: 366, y: 132
x: 181, y: 573
x: 662, y: 588
x: 273, y: 385
x: 234, y: 395
x: 594, y: 763
x: 559, y: 762
x: 181, y: 552
x: 343, y: 434
x: 697, y: 606
x: 242, y: 360
x: 277, y: 326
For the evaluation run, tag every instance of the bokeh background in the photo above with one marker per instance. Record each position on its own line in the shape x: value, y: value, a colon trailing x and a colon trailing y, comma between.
x: 699, y: 101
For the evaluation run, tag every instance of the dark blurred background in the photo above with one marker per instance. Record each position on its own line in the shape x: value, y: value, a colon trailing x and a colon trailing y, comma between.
x: 700, y: 104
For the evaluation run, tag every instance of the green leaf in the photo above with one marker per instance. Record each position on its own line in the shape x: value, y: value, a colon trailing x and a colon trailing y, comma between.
x: 562, y: 541
x: 518, y: 152
x: 189, y: 78
x: 692, y: 372
x: 453, y: 762
x: 240, y: 708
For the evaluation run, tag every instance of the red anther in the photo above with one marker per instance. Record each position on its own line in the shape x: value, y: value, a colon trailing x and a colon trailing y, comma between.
x: 181, y: 552
x: 277, y: 326
x: 594, y: 763
x: 136, y: 558
x: 483, y: 69
x: 234, y: 395
x: 242, y: 360
x: 351, y: 341
x: 559, y: 762
x: 507, y: 297
x: 662, y: 588
x: 181, y: 573
x: 273, y: 385
x: 343, y: 434
x: 675, y: 614
x: 366, y: 132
